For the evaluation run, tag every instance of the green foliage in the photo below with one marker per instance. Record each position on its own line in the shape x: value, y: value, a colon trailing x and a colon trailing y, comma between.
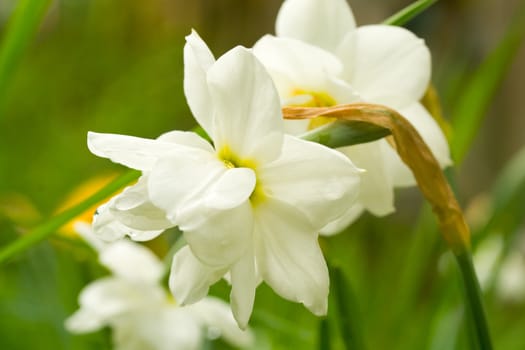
x: 51, y: 226
x: 507, y: 198
x: 483, y: 84
x: 108, y: 66
x: 22, y: 26
x: 409, y: 12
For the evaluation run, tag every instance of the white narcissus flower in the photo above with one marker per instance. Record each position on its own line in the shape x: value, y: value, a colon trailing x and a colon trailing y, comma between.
x: 510, y: 284
x: 504, y: 269
x: 130, y: 213
x: 319, y: 58
x: 251, y: 204
x: 141, y: 313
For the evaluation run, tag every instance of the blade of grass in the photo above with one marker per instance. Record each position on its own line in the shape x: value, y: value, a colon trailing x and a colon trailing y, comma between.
x: 324, y: 334
x: 409, y: 12
x: 49, y: 227
x: 508, y: 196
x: 473, y: 104
x: 411, y: 277
x: 20, y: 29
x: 346, y: 309
x: 474, y: 300
x: 508, y: 213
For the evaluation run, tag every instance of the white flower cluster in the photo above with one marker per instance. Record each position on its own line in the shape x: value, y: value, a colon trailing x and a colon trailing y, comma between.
x: 141, y: 313
x: 251, y: 203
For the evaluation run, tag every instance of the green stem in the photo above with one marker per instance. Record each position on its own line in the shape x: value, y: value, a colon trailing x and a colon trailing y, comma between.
x: 346, y: 308
x: 22, y: 25
x: 324, y: 334
x: 411, y: 277
x: 474, y: 300
x: 48, y: 228
x: 409, y: 12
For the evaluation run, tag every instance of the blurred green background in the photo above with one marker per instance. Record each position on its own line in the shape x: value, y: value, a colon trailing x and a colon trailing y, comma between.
x: 116, y: 66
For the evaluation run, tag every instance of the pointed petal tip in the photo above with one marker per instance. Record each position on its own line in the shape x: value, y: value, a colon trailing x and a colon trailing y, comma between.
x: 242, y: 323
x: 317, y: 306
x: 241, y: 51
x: 319, y: 310
x: 91, y: 138
x: 194, y: 35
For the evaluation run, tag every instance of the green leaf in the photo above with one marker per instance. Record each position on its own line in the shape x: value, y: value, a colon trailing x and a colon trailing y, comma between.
x: 346, y: 309
x: 408, y: 12
x: 478, y: 94
x: 48, y: 228
x: 508, y: 196
x: 23, y: 24
x: 324, y: 334
x: 474, y: 300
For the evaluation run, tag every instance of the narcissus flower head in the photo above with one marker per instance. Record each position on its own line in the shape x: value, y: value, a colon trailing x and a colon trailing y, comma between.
x: 320, y: 58
x: 141, y: 314
x: 252, y: 203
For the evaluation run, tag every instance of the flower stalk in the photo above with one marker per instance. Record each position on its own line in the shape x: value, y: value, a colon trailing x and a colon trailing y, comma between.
x: 432, y: 182
x: 409, y: 12
x: 346, y: 310
x: 475, y: 303
x: 324, y: 334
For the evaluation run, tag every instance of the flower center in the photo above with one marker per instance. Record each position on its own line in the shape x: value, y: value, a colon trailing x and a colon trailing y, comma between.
x: 171, y: 299
x: 315, y: 99
x: 231, y: 161
x: 228, y: 164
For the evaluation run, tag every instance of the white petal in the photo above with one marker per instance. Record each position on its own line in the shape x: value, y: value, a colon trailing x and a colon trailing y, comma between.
x: 295, y: 65
x: 244, y: 282
x: 105, y: 226
x: 134, y: 209
x: 341, y: 91
x: 338, y: 225
x: 190, y: 279
x: 296, y: 127
x: 433, y: 136
x: 133, y: 152
x: 288, y: 255
x: 218, y: 237
x: 132, y: 262
x: 320, y: 181
x: 430, y: 131
x: 166, y: 328
x: 392, y: 66
x: 230, y: 190
x: 111, y: 297
x: 218, y: 317
x: 108, y: 228
x: 186, y: 138
x: 377, y: 190
x: 510, y: 284
x: 323, y: 23
x: 197, y: 60
x: 178, y: 177
x: 173, y: 329
x: 247, y: 119
x: 488, y: 253
x: 84, y: 321
x: 346, y: 54
x: 85, y: 231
